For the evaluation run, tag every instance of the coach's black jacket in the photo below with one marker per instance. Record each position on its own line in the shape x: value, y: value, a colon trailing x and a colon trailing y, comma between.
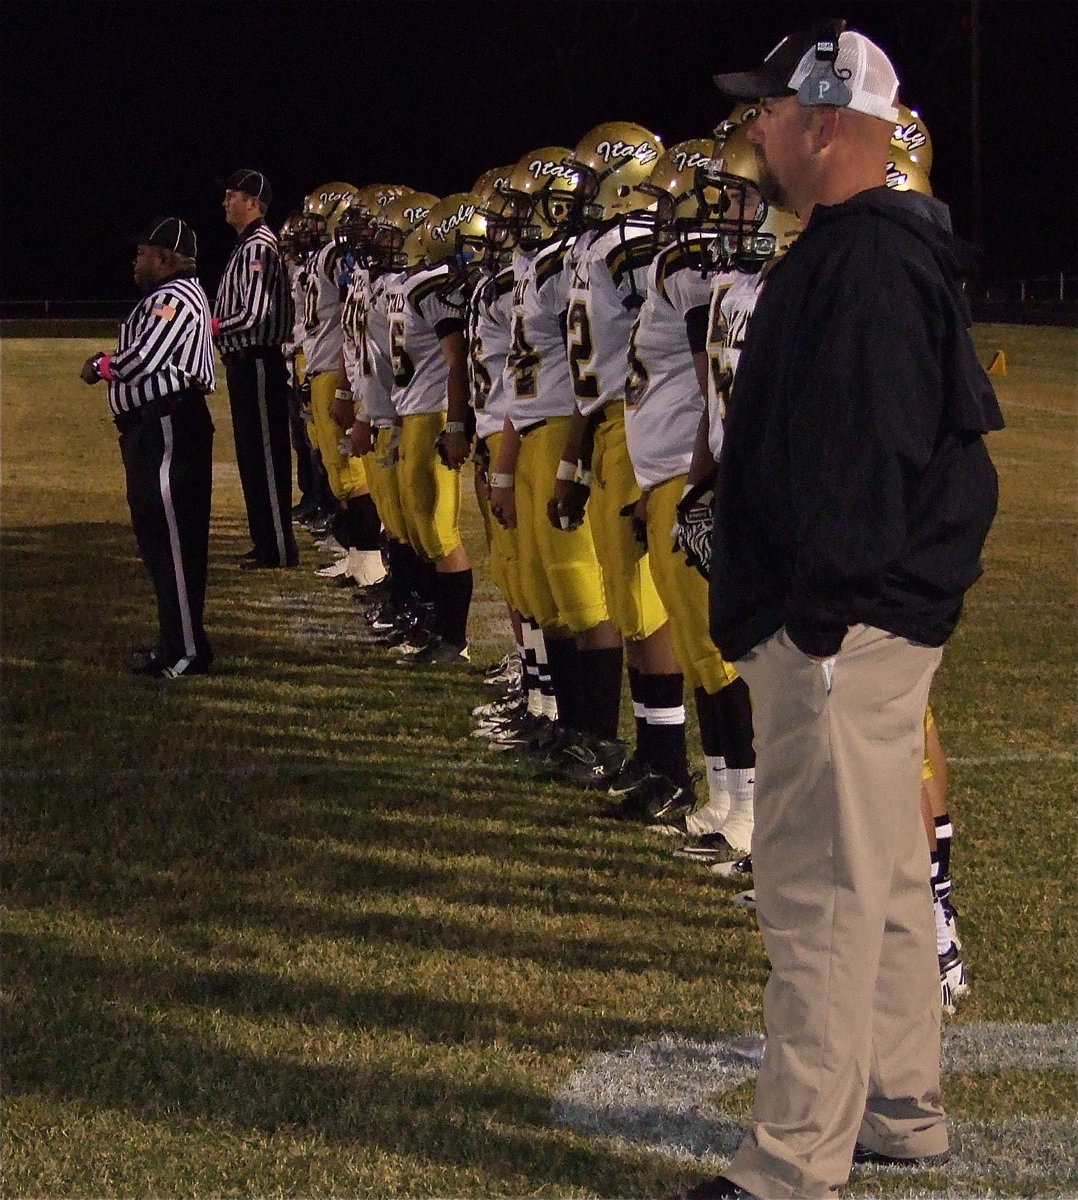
x: 854, y: 484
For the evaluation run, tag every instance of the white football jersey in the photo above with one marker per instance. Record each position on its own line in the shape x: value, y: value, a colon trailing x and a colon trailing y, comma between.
x: 323, y: 341
x: 538, y: 369
x: 663, y: 402
x: 490, y: 315
x: 733, y: 298
x: 417, y: 304
x: 352, y: 319
x: 366, y: 349
x: 607, y: 282
x: 376, y: 390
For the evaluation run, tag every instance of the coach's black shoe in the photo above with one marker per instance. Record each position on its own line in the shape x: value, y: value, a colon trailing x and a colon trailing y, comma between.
x: 863, y: 1156
x: 719, y: 1188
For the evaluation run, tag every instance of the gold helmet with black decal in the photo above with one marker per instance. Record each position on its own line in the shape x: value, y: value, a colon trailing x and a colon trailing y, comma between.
x: 354, y: 228
x: 608, y: 164
x: 750, y: 231
x: 520, y: 219
x: 396, y: 242
x: 455, y: 231
x: 905, y: 174
x: 911, y: 138
x: 488, y: 187
x: 679, y: 204
x: 325, y: 204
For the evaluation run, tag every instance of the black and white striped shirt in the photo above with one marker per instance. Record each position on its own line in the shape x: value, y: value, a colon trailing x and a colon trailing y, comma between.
x: 164, y: 348
x: 253, y: 306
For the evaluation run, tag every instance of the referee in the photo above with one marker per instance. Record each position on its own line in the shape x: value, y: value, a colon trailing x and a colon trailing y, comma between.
x: 158, y: 378
x: 252, y: 318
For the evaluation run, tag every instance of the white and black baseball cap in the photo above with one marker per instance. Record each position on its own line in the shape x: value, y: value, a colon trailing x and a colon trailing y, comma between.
x: 254, y: 183
x: 859, y: 64
x: 170, y: 233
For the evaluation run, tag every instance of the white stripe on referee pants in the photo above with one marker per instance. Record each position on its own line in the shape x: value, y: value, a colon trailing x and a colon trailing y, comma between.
x: 267, y: 454
x: 165, y: 483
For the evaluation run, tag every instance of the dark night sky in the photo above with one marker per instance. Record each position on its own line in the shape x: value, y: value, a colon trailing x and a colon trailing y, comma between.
x: 114, y: 112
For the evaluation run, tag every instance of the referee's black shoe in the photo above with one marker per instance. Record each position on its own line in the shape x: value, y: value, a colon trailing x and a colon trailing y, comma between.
x: 258, y: 563
x: 150, y: 662
x: 250, y: 556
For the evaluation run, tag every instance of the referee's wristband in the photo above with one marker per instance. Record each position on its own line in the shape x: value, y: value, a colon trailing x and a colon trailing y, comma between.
x: 500, y: 479
x: 567, y: 471
x: 453, y: 427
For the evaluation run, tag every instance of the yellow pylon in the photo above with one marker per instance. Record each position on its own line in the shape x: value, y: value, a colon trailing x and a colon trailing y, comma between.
x: 998, y: 365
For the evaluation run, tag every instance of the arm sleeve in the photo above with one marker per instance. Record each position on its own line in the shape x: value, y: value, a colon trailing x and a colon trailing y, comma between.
x: 859, y: 437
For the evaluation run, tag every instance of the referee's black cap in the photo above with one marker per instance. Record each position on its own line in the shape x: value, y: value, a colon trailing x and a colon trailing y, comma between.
x: 254, y: 183
x: 170, y: 233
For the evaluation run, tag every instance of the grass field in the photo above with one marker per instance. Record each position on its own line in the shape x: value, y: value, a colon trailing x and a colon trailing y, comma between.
x: 285, y: 930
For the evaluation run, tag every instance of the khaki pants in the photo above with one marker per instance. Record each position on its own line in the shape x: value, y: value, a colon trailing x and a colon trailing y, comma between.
x: 840, y: 864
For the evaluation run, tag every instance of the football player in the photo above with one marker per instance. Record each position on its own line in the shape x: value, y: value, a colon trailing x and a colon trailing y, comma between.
x: 359, y: 529
x: 664, y: 403
x: 559, y: 572
x: 310, y: 474
x: 608, y: 267
x: 389, y: 245
x: 427, y: 312
x: 366, y: 364
x: 508, y: 726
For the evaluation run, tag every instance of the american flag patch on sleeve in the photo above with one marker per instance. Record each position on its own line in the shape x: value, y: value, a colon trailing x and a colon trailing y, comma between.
x: 165, y: 311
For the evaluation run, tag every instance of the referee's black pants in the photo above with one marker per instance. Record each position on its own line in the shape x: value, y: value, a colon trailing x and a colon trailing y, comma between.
x: 258, y: 396
x: 167, y: 451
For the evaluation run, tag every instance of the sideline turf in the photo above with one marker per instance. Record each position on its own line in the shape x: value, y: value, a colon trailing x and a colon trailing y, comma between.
x: 287, y: 930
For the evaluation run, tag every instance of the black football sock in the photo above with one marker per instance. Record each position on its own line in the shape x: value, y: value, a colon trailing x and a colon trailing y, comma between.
x: 452, y: 600
x: 664, y: 711
x: 364, y: 527
x: 734, y: 713
x: 600, y: 678
x: 640, y: 720
x: 563, y: 660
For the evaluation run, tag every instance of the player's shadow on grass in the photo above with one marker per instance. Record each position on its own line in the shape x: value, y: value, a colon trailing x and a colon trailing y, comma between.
x: 125, y: 1039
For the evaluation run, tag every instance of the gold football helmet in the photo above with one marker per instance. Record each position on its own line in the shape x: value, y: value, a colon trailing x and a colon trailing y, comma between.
x: 455, y: 232
x: 750, y: 230
x: 673, y: 184
x: 373, y: 197
x: 287, y: 236
x: 328, y: 202
x: 905, y: 174
x: 396, y: 241
x: 607, y: 164
x: 521, y: 219
x: 354, y: 229
x: 911, y: 137
x: 488, y: 187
